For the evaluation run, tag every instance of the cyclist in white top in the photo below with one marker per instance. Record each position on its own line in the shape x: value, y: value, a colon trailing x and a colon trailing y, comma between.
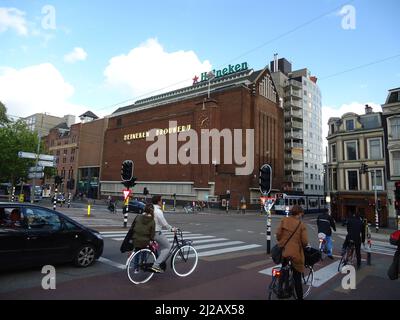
x: 164, y: 245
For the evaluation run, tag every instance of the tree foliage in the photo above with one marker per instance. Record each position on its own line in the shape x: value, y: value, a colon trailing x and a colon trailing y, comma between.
x: 15, y: 137
x: 3, y: 114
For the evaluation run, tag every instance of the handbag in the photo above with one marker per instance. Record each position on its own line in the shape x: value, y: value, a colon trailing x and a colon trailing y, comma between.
x: 277, y: 251
x: 127, y: 244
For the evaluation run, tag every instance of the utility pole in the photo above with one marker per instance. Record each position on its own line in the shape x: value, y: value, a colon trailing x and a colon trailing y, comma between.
x: 36, y: 162
x: 328, y: 193
x: 376, y: 204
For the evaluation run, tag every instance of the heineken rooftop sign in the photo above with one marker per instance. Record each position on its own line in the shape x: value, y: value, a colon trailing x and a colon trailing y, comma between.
x: 223, y: 72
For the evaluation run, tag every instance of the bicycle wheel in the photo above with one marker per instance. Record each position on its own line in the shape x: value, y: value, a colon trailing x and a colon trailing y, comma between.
x: 272, y: 289
x: 307, y: 280
x: 184, y: 260
x: 138, y: 266
x: 343, y: 262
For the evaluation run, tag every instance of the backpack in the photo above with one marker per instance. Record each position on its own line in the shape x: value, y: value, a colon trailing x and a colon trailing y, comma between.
x: 394, y: 238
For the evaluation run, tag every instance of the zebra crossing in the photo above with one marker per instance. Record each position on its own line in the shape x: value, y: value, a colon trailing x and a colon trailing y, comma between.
x: 205, y: 245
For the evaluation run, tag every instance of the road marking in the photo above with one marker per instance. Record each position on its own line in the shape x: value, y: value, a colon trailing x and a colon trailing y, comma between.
x: 325, y: 274
x: 226, y: 250
x: 215, y: 245
x: 112, y: 263
x: 209, y: 240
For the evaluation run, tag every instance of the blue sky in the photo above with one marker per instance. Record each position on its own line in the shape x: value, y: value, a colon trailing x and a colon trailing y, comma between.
x: 189, y: 35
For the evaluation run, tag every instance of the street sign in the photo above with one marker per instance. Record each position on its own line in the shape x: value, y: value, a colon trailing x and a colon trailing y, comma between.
x: 36, y: 175
x: 26, y: 155
x: 127, y: 193
x: 30, y: 155
x: 36, y: 169
x: 46, y: 164
x: 47, y: 157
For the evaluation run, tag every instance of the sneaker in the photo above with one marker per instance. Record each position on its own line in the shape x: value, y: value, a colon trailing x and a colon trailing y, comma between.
x: 157, y: 269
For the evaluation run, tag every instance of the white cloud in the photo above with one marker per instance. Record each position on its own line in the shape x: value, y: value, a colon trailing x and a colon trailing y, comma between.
x: 330, y: 112
x: 149, y: 67
x: 78, y: 54
x: 38, y: 88
x: 12, y: 18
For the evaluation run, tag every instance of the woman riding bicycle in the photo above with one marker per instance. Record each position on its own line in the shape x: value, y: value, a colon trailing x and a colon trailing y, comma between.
x: 356, y: 233
x: 293, y: 227
x: 164, y: 245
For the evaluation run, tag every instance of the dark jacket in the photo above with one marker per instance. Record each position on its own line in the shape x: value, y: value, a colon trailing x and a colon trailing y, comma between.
x: 143, y: 231
x: 325, y: 224
x: 356, y: 230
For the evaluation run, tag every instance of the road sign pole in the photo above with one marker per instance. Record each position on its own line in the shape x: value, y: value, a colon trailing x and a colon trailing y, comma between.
x: 13, y: 194
x: 268, y: 207
x: 126, y: 209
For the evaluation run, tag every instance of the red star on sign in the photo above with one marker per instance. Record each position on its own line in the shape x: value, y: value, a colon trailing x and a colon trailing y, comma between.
x: 195, y: 80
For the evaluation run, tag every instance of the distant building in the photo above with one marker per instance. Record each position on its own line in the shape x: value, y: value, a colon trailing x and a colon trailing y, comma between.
x: 43, y: 123
x: 78, y: 149
x: 391, y: 125
x: 303, y: 128
x: 354, y: 140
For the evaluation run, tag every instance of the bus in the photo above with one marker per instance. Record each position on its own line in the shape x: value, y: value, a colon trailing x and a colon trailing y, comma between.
x: 309, y: 203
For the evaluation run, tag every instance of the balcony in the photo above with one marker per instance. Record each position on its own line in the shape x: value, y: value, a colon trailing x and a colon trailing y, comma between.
x: 295, y: 178
x: 294, y: 103
x: 294, y: 124
x: 293, y: 93
x: 294, y: 135
x: 291, y: 145
x: 296, y: 84
x: 294, y: 167
x: 294, y: 156
x: 294, y: 113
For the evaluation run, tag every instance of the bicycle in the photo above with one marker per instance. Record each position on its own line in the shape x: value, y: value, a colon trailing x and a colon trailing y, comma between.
x: 183, y: 255
x: 322, y: 245
x: 282, y: 284
x: 348, y: 256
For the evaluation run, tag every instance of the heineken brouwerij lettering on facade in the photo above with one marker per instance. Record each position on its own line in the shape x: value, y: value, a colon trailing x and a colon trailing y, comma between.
x: 223, y: 72
x: 159, y: 132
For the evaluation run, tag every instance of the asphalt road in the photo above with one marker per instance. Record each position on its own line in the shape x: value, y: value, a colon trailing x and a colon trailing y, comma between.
x: 233, y: 264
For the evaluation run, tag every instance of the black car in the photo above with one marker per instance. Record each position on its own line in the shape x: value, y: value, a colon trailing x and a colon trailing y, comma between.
x: 136, y: 206
x: 31, y: 235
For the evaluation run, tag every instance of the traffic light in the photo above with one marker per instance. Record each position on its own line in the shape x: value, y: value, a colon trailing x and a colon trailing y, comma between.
x: 265, y: 180
x: 397, y: 195
x: 58, y: 180
x: 127, y: 170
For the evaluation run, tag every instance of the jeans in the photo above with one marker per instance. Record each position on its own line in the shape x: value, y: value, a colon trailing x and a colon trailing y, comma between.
x: 329, y: 245
x: 163, y: 249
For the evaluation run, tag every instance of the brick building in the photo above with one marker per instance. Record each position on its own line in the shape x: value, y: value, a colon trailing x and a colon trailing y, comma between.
x: 236, y: 98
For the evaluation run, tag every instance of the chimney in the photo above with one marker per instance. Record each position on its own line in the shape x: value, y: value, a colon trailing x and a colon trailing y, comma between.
x: 368, y: 109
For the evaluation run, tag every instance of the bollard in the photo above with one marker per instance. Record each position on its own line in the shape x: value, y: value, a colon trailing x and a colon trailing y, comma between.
x: 125, y: 217
x: 69, y: 199
x: 88, y: 210
x: 55, y: 199
x: 13, y: 195
x: 268, y: 230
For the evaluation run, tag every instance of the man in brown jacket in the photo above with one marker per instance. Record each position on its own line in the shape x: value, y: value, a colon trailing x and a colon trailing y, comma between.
x: 293, y: 226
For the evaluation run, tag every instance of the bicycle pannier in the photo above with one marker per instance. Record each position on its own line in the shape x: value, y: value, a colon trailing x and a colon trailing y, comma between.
x: 311, y: 256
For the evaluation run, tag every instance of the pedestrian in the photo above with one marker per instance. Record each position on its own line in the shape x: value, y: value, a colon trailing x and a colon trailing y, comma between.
x: 325, y: 224
x: 164, y: 245
x: 355, y: 233
x: 293, y: 229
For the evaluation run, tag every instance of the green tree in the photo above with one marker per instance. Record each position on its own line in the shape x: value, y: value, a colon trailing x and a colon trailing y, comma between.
x: 3, y: 114
x: 15, y: 137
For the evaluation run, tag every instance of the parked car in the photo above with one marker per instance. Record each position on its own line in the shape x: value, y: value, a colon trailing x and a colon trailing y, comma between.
x: 31, y: 235
x: 136, y: 206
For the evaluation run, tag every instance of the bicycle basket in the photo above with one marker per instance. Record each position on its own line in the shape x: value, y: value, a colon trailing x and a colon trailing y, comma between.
x: 321, y: 236
x: 311, y: 256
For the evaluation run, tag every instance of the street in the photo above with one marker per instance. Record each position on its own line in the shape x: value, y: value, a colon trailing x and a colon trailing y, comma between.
x: 233, y: 264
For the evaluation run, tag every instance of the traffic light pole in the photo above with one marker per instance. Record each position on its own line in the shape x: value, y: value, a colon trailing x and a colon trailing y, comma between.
x: 376, y: 205
x: 55, y: 198
x: 126, y: 209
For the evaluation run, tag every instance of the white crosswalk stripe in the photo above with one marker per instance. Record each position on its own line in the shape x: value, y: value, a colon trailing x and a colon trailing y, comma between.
x: 202, y: 243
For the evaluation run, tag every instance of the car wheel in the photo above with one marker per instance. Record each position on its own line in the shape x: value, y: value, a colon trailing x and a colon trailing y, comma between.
x: 85, y: 256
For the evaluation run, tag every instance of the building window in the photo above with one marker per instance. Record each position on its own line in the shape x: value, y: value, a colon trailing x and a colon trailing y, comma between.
x: 349, y: 125
x: 379, y: 179
x: 311, y: 176
x: 352, y: 180
x: 306, y: 164
x: 351, y: 150
x: 312, y: 186
x: 334, y: 179
x: 72, y: 159
x: 374, y: 149
x: 58, y: 152
x: 396, y: 163
x: 119, y: 122
x: 306, y: 186
x: 395, y: 128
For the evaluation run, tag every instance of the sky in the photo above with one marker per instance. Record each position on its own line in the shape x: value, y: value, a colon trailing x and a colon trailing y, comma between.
x: 67, y: 57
